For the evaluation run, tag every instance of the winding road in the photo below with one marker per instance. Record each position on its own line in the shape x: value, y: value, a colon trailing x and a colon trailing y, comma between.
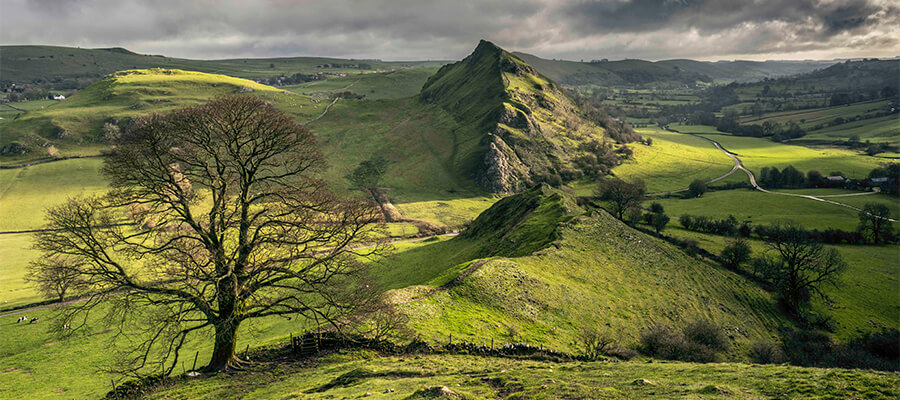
x: 738, y: 165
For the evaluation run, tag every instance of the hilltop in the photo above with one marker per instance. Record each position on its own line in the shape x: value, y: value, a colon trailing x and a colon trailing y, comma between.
x: 527, y: 129
x: 79, y: 125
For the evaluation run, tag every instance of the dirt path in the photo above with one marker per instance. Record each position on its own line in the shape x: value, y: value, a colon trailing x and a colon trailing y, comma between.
x: 738, y: 165
x: 328, y: 107
x: 448, y: 285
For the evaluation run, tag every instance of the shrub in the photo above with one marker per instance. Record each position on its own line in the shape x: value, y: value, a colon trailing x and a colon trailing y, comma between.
x: 766, y: 352
x: 594, y: 343
x: 699, y: 341
x: 735, y: 253
x: 707, y: 334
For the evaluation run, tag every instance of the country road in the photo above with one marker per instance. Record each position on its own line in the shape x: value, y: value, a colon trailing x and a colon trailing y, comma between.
x: 738, y: 165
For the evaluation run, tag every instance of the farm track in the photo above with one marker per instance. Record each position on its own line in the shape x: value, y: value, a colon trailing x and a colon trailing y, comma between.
x: 328, y: 107
x: 448, y: 285
x: 738, y: 165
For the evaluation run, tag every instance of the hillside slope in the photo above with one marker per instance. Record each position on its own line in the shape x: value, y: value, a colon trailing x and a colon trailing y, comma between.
x: 527, y: 130
x: 459, y: 377
x: 76, y: 125
x: 552, y: 270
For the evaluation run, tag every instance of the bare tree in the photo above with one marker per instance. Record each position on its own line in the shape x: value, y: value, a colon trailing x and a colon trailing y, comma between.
x: 874, y: 219
x: 803, y: 267
x: 56, y: 276
x: 242, y: 229
x: 622, y: 195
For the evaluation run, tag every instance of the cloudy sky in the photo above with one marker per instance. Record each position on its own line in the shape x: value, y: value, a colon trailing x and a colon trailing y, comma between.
x: 449, y: 29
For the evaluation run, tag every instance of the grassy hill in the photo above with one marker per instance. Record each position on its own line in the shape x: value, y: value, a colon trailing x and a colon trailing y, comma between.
x: 536, y: 267
x: 75, y: 126
x: 65, y: 68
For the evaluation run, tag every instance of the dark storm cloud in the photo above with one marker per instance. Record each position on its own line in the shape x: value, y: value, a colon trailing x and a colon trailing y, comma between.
x: 419, y: 29
x: 715, y: 15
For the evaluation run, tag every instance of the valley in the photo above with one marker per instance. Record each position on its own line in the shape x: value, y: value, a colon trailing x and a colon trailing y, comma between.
x: 494, y: 163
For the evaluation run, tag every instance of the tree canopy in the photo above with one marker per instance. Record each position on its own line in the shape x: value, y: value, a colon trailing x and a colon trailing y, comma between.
x: 217, y: 216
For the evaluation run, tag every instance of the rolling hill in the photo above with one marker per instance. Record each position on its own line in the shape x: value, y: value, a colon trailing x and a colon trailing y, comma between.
x: 76, y: 126
x: 538, y: 267
x: 64, y: 68
x: 632, y: 73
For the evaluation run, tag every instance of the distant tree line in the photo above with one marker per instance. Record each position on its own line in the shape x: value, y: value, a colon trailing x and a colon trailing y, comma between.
x: 873, y: 228
x: 885, y: 177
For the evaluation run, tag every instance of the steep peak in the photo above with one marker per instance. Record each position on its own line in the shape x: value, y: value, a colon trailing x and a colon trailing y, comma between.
x: 485, y: 48
x: 527, y: 130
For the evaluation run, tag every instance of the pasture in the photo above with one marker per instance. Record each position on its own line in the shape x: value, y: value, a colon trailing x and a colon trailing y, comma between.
x: 866, y: 299
x: 757, y: 153
x: 25, y: 193
x: 766, y: 208
x: 673, y: 161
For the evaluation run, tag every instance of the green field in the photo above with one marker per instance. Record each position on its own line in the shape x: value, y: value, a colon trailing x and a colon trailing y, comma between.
x: 766, y: 208
x: 25, y: 63
x: 374, y: 86
x: 25, y: 193
x: 75, y: 126
x: 866, y: 298
x: 809, y: 119
x: 16, y: 253
x: 884, y: 129
x: 673, y: 161
x: 757, y: 153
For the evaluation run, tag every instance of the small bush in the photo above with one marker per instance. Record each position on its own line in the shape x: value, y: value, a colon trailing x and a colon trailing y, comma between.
x: 707, y: 334
x: 766, y: 352
x: 594, y: 344
x: 700, y: 341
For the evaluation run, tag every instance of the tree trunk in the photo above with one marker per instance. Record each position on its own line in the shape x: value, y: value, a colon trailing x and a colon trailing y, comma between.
x: 223, y: 352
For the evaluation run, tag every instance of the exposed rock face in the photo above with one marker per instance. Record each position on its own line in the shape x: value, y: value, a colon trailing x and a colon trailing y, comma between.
x: 13, y: 148
x: 503, y: 172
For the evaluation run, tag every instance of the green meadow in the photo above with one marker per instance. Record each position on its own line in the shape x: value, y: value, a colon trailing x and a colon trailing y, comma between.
x: 757, y: 153
x: 866, y: 297
x: 766, y: 208
x: 673, y: 161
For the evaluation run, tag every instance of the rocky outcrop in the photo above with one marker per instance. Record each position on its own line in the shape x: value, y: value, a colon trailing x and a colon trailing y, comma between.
x: 13, y: 149
x: 503, y: 172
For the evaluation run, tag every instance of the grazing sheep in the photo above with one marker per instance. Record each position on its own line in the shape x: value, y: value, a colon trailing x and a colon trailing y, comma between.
x: 33, y: 320
x: 66, y: 326
x: 22, y: 318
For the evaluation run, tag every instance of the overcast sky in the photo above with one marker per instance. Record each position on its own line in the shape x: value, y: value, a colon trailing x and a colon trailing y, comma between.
x: 450, y: 29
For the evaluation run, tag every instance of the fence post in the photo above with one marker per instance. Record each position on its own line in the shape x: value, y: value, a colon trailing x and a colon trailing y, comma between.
x: 293, y: 347
x: 492, y: 345
x: 451, y: 340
